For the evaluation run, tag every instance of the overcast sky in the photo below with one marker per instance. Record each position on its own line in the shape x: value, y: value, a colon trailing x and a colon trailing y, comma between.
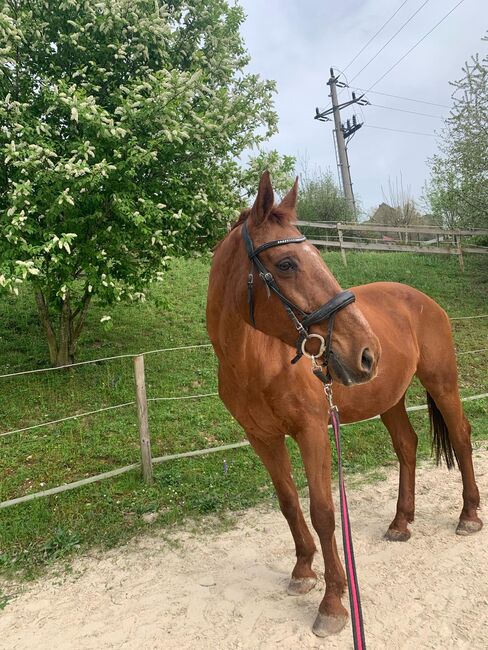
x: 295, y: 42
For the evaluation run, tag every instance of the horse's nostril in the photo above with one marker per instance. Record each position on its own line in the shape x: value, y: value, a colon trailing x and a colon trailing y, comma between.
x: 367, y: 360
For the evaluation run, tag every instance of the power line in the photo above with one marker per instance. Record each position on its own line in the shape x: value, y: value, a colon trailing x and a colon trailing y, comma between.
x: 404, y: 110
x: 407, y: 99
x: 375, y: 35
x: 414, y: 46
x: 390, y: 40
x: 385, y: 128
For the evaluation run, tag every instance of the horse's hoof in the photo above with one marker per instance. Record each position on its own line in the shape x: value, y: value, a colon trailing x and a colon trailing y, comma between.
x: 300, y: 586
x: 326, y: 625
x: 467, y: 527
x: 393, y: 535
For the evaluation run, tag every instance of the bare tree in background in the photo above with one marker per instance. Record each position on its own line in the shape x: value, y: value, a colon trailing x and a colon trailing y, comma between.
x: 403, y: 210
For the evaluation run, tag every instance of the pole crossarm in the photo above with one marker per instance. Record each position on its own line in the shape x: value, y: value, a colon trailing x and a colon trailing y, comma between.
x: 319, y: 115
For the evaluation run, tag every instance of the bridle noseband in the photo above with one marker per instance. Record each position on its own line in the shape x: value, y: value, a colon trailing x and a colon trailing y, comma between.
x: 325, y: 312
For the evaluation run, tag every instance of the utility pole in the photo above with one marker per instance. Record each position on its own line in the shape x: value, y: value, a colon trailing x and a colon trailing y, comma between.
x: 341, y: 143
x: 342, y: 133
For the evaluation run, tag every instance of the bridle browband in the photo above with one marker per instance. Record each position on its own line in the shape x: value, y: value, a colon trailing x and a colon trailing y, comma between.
x: 327, y: 311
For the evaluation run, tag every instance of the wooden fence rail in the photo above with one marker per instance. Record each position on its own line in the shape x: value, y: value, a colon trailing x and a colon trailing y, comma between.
x: 406, y: 231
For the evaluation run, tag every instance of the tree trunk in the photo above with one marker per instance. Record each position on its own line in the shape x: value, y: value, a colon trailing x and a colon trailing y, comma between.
x: 62, y: 343
x: 47, y: 325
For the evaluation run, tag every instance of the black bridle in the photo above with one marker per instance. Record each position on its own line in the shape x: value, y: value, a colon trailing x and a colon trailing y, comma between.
x: 327, y: 311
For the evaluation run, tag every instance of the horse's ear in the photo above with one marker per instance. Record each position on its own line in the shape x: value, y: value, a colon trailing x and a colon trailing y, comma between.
x: 290, y: 200
x: 264, y: 200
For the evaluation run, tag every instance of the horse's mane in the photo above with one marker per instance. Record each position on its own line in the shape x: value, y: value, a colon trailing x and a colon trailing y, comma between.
x: 242, y: 217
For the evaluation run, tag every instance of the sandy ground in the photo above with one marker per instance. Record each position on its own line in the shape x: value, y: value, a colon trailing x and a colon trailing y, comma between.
x: 228, y: 590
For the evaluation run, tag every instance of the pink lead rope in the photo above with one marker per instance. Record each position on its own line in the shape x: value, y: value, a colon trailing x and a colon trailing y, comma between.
x: 352, y: 578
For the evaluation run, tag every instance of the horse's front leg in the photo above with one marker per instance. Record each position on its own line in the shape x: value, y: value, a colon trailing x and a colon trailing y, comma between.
x: 404, y: 440
x: 275, y: 458
x: 313, y: 441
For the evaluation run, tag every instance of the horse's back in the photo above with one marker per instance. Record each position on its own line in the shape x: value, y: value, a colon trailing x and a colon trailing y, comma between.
x: 406, y: 320
x: 397, y: 302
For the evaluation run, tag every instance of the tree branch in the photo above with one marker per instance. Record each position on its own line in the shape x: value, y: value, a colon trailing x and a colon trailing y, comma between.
x: 82, y: 311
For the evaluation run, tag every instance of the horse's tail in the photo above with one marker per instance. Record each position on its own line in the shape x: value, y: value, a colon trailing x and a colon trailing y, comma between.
x: 441, y: 444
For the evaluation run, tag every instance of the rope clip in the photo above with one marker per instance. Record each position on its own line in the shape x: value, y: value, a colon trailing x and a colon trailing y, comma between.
x: 329, y: 396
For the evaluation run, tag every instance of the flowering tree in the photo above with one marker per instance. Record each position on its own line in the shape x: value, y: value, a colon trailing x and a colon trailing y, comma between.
x: 458, y: 189
x: 121, y: 123
x: 281, y: 168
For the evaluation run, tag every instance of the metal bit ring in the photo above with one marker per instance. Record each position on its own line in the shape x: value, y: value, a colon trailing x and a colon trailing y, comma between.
x: 321, y: 349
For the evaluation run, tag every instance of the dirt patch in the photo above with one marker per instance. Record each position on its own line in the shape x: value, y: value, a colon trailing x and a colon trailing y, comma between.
x: 229, y: 590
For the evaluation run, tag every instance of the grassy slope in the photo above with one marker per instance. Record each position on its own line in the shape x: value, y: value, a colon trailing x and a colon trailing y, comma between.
x: 110, y: 512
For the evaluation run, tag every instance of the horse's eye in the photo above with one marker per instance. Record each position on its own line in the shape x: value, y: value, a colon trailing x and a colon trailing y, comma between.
x: 286, y: 265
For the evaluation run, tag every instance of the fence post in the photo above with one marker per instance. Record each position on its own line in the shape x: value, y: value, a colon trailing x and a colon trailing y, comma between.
x: 341, y: 241
x: 457, y: 240
x: 141, y: 401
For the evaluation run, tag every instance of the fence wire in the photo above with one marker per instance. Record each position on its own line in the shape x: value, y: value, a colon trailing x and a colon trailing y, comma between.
x: 118, y: 356
x: 116, y: 378
x: 168, y: 457
x: 161, y: 350
x: 81, y: 422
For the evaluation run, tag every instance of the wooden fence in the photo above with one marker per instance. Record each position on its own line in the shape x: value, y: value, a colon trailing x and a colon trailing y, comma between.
x: 453, y: 239
x: 141, y: 402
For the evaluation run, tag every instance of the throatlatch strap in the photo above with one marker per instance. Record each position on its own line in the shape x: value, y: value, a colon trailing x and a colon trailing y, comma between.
x: 265, y: 275
x: 250, y: 296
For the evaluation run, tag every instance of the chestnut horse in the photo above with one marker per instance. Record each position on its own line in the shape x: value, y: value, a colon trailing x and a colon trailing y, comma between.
x: 391, y: 333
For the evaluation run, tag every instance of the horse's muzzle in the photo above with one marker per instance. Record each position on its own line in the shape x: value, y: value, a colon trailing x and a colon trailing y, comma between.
x: 348, y: 376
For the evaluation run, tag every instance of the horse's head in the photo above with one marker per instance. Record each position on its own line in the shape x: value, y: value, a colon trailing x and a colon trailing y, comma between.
x: 303, y: 279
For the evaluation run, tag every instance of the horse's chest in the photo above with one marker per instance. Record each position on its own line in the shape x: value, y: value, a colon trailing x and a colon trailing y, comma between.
x: 258, y: 405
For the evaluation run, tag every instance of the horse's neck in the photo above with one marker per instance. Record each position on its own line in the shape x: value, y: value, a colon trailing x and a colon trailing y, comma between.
x: 234, y: 340
x: 237, y: 344
x: 248, y: 354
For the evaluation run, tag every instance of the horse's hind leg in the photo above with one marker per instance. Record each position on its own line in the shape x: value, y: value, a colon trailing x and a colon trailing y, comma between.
x: 453, y: 432
x: 404, y: 441
x: 275, y: 458
x: 459, y: 430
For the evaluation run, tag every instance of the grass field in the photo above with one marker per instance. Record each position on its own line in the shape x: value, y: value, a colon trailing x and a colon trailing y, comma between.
x: 107, y: 513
